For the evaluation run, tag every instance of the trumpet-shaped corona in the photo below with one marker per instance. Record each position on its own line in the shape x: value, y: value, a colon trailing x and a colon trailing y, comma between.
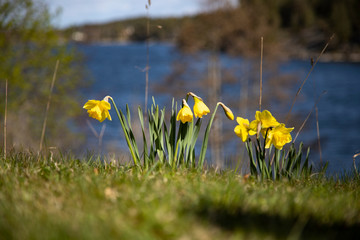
x: 278, y: 136
x: 200, y: 109
x: 185, y: 114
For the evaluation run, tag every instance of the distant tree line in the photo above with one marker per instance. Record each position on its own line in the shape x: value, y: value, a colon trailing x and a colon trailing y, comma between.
x: 308, y: 23
x: 341, y: 17
x: 134, y: 30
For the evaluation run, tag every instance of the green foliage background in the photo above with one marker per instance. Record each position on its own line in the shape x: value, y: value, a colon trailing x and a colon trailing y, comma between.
x: 29, y: 48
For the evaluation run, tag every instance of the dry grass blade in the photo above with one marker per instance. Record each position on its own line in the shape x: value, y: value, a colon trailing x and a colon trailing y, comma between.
x: 147, y: 58
x: 307, y: 76
x: 48, y: 106
x: 355, y: 156
x: 303, y: 124
x: 5, y: 116
x: 318, y: 135
x: 101, y: 135
x: 261, y: 63
x: 92, y: 129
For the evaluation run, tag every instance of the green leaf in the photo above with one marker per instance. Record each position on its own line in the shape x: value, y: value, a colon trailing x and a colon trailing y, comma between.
x: 126, y: 133
x: 130, y: 131
x: 253, y: 166
x: 145, y: 149
x: 191, y: 156
x: 206, y: 139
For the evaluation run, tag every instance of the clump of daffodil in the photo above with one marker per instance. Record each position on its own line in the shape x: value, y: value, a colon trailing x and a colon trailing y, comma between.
x: 99, y: 109
x: 264, y: 162
x: 185, y: 114
x: 188, y: 134
x: 274, y: 133
x: 200, y: 109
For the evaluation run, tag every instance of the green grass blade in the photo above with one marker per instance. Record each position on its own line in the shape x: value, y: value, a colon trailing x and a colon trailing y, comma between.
x: 305, y: 171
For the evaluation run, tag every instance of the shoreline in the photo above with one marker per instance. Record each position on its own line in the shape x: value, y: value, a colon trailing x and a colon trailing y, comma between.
x: 325, y: 57
x: 303, y: 55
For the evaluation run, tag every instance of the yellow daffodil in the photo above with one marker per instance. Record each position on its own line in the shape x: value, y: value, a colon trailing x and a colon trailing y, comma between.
x: 278, y: 136
x: 98, y: 109
x: 263, y: 120
x: 242, y: 130
x: 227, y: 111
x: 200, y: 109
x: 185, y: 114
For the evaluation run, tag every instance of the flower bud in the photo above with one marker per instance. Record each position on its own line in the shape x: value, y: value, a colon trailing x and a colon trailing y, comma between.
x: 227, y: 111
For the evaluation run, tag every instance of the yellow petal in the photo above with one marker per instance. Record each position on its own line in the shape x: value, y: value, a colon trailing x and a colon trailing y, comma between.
x: 253, y: 127
x: 105, y: 105
x: 267, y: 120
x: 95, y: 114
x: 108, y: 116
x: 242, y: 130
x: 238, y: 120
x: 90, y: 104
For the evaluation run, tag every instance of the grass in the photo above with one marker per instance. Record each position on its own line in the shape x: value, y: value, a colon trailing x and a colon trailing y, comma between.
x: 68, y: 198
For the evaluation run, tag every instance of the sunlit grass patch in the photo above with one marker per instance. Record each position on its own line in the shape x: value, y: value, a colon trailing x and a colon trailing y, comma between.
x: 80, y: 199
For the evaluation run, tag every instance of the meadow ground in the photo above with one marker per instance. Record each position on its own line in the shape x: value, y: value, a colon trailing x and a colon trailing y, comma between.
x: 68, y: 198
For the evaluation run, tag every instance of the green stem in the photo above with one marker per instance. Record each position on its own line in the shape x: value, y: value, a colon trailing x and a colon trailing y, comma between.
x: 277, y: 155
x: 175, y: 156
x: 266, y: 134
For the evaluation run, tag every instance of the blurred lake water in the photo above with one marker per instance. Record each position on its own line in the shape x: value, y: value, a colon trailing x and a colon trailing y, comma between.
x: 118, y: 71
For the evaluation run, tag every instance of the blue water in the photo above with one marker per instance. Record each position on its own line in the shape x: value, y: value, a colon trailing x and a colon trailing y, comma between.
x: 118, y: 70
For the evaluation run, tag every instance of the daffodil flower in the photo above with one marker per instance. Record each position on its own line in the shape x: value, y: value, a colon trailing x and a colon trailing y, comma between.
x: 227, y: 111
x: 278, y: 136
x: 98, y: 109
x: 263, y: 120
x: 242, y: 130
x: 185, y: 114
x: 200, y: 109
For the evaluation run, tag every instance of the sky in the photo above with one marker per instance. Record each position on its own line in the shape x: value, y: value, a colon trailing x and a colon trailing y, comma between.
x: 76, y: 12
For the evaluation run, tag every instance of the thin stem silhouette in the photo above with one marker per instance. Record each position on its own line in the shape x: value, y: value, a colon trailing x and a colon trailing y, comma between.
x: 303, y: 83
x: 48, y: 106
